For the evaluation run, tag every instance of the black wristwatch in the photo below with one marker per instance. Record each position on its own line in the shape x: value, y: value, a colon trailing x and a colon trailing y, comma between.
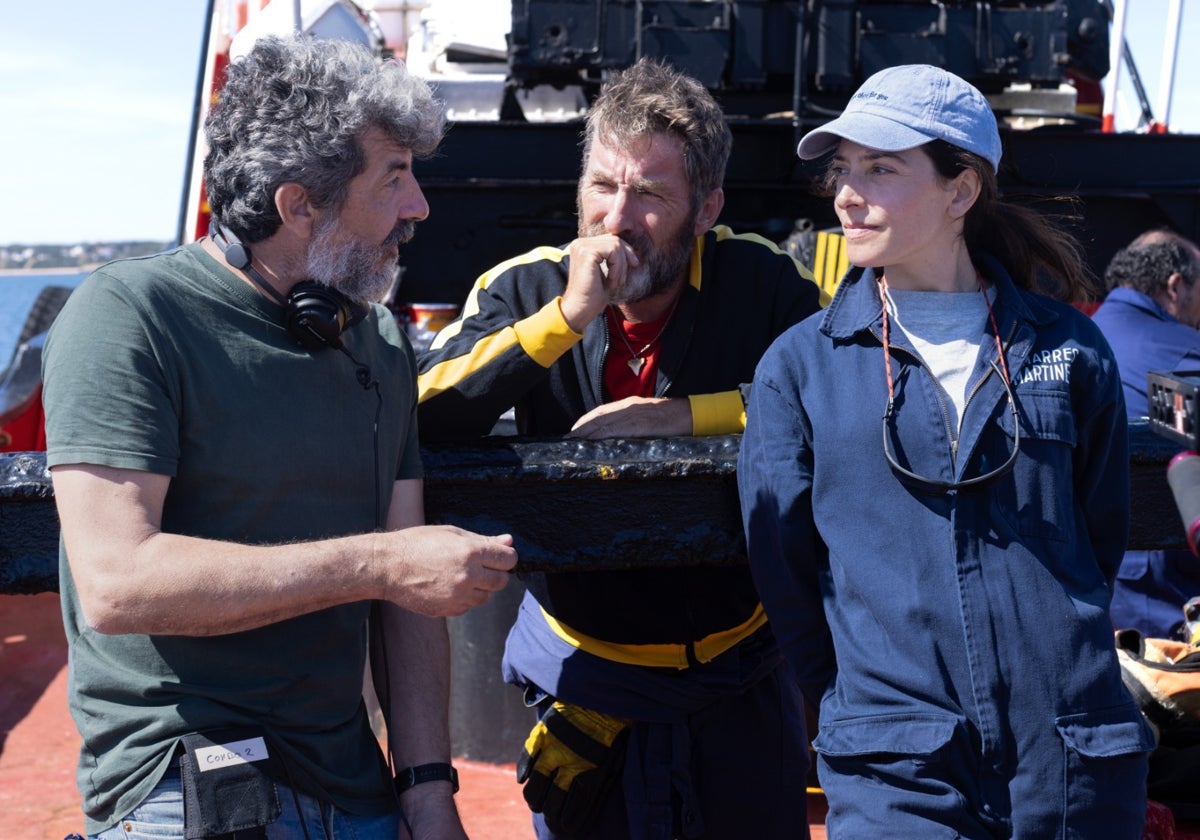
x: 410, y: 776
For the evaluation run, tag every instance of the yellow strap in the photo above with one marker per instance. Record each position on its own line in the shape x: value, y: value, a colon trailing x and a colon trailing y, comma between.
x: 819, y: 257
x: 830, y: 260
x: 661, y: 655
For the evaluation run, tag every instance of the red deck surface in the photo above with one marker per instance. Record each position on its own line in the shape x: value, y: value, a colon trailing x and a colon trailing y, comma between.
x: 39, y: 744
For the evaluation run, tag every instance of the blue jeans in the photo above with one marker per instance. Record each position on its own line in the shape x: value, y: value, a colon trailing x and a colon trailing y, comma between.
x: 160, y: 817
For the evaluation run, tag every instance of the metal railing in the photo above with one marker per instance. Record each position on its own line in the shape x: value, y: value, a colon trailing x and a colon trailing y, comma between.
x: 570, y: 504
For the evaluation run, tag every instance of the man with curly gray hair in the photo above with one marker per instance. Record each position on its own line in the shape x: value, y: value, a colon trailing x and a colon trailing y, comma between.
x: 1151, y: 318
x: 232, y: 436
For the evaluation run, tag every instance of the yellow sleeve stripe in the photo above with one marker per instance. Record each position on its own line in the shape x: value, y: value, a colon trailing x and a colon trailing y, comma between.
x: 444, y: 376
x: 471, y: 307
x: 723, y: 232
x: 718, y: 414
x: 545, y: 335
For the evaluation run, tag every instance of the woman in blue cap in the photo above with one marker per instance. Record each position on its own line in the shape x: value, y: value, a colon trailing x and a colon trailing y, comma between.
x: 958, y: 555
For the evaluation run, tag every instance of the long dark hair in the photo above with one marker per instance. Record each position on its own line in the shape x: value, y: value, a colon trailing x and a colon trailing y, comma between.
x: 1036, y: 248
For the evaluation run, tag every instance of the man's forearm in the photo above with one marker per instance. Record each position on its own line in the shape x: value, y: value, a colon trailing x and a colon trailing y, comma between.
x: 411, y: 669
x: 414, y: 654
x: 178, y: 585
x: 132, y: 577
x: 468, y: 384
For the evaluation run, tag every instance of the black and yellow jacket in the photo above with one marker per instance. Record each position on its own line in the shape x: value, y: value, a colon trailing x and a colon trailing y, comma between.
x: 511, y: 348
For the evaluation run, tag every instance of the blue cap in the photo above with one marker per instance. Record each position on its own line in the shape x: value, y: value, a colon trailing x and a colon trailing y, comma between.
x: 906, y: 106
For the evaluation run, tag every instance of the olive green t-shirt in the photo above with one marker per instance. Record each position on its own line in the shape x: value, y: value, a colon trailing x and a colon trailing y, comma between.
x: 173, y: 365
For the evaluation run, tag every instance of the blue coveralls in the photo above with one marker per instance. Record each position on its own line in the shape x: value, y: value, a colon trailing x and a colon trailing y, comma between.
x: 1151, y: 586
x: 976, y: 690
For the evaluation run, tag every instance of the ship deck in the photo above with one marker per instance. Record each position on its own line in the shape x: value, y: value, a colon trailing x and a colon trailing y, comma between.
x: 39, y: 744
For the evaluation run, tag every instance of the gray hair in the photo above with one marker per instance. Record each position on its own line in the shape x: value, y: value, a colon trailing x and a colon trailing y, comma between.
x: 294, y: 110
x: 648, y: 98
x: 1147, y: 263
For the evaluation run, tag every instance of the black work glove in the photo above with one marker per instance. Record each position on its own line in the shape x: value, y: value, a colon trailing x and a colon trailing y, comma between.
x: 1163, y: 676
x: 569, y: 762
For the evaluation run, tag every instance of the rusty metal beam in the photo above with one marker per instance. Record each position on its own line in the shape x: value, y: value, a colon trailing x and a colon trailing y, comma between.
x: 570, y: 504
x: 28, y: 525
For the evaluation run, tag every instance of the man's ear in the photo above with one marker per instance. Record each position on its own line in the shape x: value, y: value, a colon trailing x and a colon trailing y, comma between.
x: 1176, y: 283
x: 710, y: 209
x: 297, y: 213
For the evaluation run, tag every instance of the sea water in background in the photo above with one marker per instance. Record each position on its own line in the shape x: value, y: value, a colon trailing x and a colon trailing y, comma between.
x: 19, y: 290
x: 17, y: 293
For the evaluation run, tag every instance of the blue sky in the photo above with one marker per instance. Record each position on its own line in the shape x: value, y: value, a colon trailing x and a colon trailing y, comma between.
x: 96, y: 99
x: 95, y: 112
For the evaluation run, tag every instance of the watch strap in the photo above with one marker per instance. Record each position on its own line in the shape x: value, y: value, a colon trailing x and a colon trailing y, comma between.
x: 435, y: 772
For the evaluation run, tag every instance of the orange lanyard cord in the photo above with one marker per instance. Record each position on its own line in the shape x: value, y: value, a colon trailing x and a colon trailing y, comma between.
x: 887, y: 355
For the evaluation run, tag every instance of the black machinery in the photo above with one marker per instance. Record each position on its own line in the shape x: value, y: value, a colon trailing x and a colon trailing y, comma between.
x: 747, y: 49
x: 779, y: 67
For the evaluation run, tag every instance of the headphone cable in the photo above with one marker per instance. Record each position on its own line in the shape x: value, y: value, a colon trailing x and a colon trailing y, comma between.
x: 363, y: 375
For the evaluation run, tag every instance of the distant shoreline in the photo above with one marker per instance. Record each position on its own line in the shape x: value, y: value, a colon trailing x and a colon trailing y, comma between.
x: 66, y: 269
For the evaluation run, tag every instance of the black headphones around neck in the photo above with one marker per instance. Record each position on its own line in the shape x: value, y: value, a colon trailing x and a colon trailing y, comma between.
x: 314, y: 314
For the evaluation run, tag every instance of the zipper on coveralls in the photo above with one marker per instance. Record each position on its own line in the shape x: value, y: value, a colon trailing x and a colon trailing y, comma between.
x: 978, y: 385
x: 938, y: 391
x: 953, y: 438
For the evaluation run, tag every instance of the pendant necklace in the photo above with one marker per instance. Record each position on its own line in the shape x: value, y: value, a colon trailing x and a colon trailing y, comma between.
x: 636, y: 362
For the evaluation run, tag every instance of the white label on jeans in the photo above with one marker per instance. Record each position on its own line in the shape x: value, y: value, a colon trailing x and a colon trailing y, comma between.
x: 235, y: 752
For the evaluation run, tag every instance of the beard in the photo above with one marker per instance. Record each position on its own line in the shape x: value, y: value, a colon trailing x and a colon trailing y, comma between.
x: 659, y: 268
x: 362, y: 272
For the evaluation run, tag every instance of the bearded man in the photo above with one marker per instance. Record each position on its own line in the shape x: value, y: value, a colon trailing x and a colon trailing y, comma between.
x: 662, y: 707
x: 232, y: 438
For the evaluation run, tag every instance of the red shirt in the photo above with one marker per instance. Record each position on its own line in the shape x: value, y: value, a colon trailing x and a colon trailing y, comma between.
x: 620, y: 378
